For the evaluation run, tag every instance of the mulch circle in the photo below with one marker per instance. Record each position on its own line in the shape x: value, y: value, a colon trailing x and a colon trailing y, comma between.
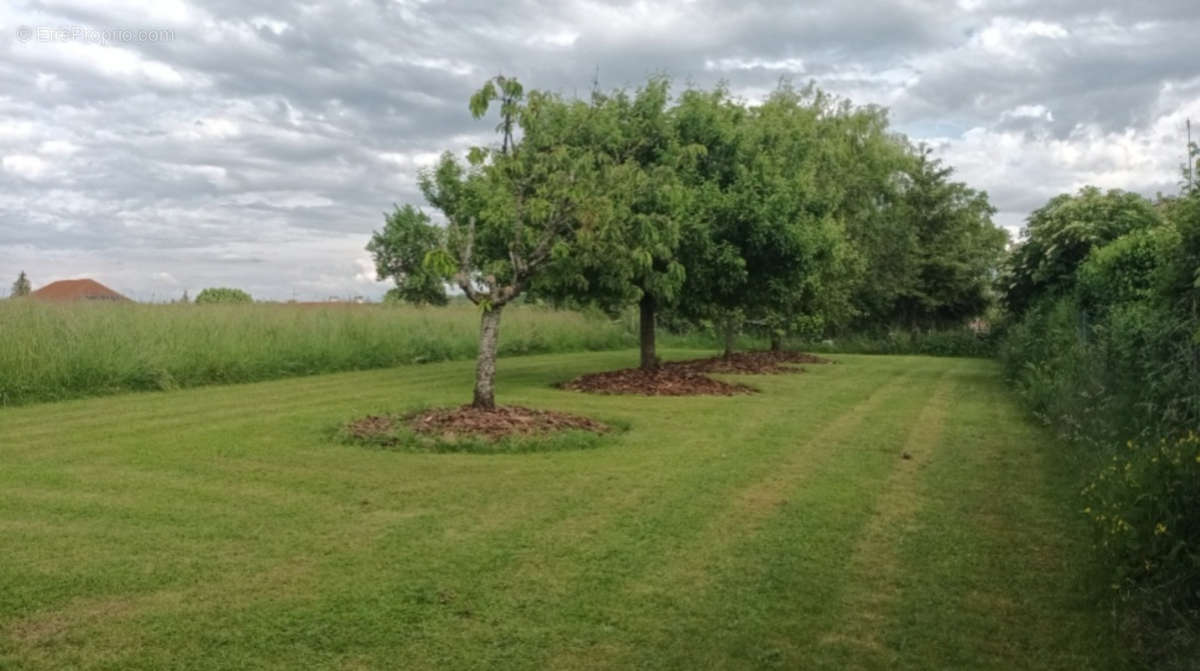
x: 666, y: 381
x: 501, y: 422
x: 751, y: 363
x: 688, y: 378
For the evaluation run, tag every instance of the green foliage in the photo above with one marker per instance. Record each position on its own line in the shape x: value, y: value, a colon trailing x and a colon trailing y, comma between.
x: 764, y: 240
x: 400, y: 250
x: 223, y: 295
x: 1143, y: 506
x: 636, y: 252
x: 950, y: 252
x: 1126, y: 270
x: 21, y: 287
x: 1109, y: 356
x: 1059, y: 236
x: 1180, y: 280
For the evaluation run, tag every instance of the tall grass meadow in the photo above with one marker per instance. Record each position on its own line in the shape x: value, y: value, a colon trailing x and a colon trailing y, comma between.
x: 60, y: 351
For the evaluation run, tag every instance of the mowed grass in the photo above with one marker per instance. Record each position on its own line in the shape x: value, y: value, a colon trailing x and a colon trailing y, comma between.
x: 224, y: 527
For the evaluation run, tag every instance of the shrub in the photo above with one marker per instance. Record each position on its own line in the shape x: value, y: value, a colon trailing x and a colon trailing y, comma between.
x: 1110, y: 357
x: 223, y: 295
x: 1143, y: 506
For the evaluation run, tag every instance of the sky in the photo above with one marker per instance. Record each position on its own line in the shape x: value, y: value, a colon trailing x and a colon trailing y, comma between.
x: 174, y: 145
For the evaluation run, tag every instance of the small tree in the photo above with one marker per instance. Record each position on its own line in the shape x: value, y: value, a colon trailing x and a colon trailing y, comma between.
x: 223, y: 295
x: 509, y: 211
x: 21, y: 287
x: 399, y: 251
x: 184, y: 298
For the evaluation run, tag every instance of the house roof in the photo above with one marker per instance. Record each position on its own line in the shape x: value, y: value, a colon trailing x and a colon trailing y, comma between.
x: 75, y: 290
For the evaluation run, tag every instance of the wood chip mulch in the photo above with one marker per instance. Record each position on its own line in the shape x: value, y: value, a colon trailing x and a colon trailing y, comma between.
x: 666, y: 381
x: 503, y: 421
x: 688, y: 378
x: 750, y: 363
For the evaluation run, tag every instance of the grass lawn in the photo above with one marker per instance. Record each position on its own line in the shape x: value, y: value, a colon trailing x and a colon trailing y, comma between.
x: 223, y: 527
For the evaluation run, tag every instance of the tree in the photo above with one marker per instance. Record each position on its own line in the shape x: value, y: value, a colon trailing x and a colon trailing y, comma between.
x: 1060, y: 235
x: 399, y: 251
x: 955, y: 250
x: 184, y: 298
x: 223, y: 295
x: 766, y: 244
x: 21, y: 287
x: 509, y: 211
x: 633, y: 259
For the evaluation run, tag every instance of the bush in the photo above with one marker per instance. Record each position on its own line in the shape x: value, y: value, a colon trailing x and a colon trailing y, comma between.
x: 1113, y: 364
x: 223, y: 295
x: 1143, y: 505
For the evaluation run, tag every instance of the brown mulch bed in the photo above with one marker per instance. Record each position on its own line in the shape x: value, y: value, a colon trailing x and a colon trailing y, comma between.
x: 750, y: 363
x: 502, y: 422
x: 688, y: 378
x: 666, y: 381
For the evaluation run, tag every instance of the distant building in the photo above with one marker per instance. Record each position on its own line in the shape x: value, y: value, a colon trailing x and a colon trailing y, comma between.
x: 76, y: 290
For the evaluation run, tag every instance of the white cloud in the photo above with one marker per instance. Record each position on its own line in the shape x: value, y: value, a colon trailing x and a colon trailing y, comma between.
x: 793, y: 65
x: 25, y: 165
x: 366, y: 271
x: 1029, y: 112
x: 57, y: 148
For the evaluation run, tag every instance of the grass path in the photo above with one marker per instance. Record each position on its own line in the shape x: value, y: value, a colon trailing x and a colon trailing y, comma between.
x: 222, y: 527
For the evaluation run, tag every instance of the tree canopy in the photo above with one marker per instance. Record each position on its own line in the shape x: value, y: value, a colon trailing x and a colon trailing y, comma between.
x: 1061, y: 234
x: 509, y: 210
x: 801, y: 213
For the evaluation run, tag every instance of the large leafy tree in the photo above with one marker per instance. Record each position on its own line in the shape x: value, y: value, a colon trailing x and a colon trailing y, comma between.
x: 509, y: 211
x: 955, y: 247
x: 633, y: 259
x: 1059, y: 236
x: 871, y: 164
x: 765, y: 241
x: 21, y: 287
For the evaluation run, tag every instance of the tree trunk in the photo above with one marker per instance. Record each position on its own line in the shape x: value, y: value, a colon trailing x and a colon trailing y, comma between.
x: 646, y: 326
x: 730, y: 336
x: 485, y: 365
x: 776, y: 341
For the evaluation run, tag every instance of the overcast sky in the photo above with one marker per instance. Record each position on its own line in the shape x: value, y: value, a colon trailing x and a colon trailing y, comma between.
x: 255, y: 144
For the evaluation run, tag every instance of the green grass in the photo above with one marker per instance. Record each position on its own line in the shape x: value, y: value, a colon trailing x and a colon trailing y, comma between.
x: 225, y: 527
x: 54, y: 352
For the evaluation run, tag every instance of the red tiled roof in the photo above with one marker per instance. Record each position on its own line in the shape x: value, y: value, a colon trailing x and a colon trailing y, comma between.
x: 76, y: 290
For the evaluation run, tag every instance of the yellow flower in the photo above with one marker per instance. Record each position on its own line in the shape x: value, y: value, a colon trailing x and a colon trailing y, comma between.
x: 1160, y: 529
